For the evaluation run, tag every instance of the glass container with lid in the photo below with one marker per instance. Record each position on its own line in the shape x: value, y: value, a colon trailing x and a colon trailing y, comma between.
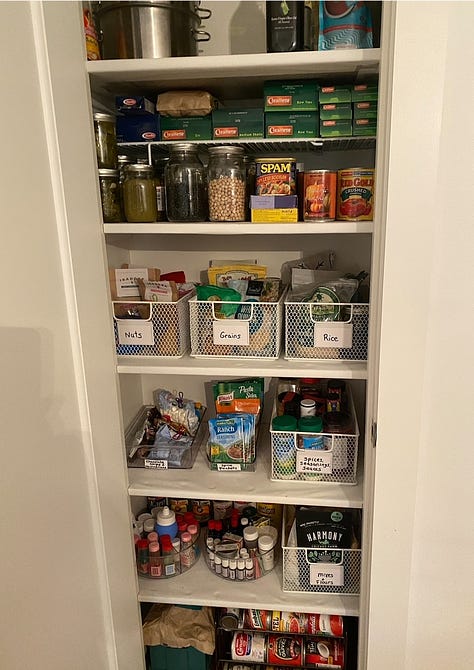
x: 227, y: 184
x: 185, y: 184
x: 105, y: 140
x: 139, y: 193
x: 110, y: 196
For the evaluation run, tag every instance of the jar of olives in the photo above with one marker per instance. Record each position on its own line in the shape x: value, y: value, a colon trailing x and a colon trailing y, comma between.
x: 105, y: 140
x: 139, y: 193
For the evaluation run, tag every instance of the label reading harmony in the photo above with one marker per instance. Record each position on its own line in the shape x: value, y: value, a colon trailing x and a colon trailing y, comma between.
x: 231, y: 332
x: 326, y: 574
x: 328, y: 335
x: 314, y: 461
x: 131, y: 331
x: 156, y: 464
x: 233, y: 467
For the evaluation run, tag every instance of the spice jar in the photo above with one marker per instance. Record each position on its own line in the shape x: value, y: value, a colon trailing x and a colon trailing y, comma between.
x: 185, y: 185
x: 139, y: 193
x: 227, y: 184
x: 110, y: 196
x: 105, y: 140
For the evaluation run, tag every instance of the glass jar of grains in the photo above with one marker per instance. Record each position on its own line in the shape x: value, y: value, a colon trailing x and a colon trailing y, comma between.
x: 185, y: 185
x: 110, y: 196
x: 105, y: 140
x: 139, y: 193
x: 227, y: 184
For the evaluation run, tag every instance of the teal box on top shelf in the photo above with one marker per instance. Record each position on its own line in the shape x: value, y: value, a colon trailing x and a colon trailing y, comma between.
x: 291, y: 124
x: 365, y: 110
x: 245, y: 123
x: 142, y: 128
x: 186, y: 128
x: 365, y: 92
x: 335, y: 110
x: 338, y: 94
x: 291, y: 96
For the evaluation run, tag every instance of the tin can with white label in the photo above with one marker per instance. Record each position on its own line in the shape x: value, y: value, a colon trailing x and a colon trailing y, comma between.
x: 249, y: 647
x: 321, y: 652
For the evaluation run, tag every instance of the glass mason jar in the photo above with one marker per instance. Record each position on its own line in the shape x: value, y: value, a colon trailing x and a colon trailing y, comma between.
x: 139, y: 193
x: 226, y: 184
x: 105, y: 140
x: 110, y: 196
x: 185, y: 184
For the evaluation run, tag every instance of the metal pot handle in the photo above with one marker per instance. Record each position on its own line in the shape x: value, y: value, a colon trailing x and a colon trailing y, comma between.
x: 206, y: 13
x: 206, y: 36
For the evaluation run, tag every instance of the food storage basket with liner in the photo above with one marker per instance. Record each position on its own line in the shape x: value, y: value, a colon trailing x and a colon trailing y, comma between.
x: 253, y: 331
x: 174, y: 450
x: 161, y: 328
x: 335, y: 462
x: 318, y: 570
x: 326, y: 331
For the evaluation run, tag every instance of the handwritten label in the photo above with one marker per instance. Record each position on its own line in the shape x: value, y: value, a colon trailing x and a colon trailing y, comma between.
x: 229, y: 467
x: 156, y: 464
x: 126, y: 283
x: 332, y: 334
x: 134, y: 331
x: 326, y: 574
x: 231, y: 332
x: 314, y: 461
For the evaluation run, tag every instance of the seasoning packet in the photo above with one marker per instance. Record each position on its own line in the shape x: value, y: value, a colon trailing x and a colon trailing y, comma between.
x: 217, y: 294
x: 232, y: 438
x: 239, y: 395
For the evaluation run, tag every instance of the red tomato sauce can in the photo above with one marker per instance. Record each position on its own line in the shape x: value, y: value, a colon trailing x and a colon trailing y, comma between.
x: 320, y: 652
x: 355, y: 194
x: 320, y: 193
x: 285, y: 650
x: 325, y: 624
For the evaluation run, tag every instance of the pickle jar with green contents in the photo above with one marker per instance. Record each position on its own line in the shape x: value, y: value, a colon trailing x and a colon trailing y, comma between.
x: 139, y: 194
x: 105, y: 140
x: 110, y: 196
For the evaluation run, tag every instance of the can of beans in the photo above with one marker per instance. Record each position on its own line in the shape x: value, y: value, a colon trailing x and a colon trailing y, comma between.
x: 321, y: 652
x: 249, y: 647
x: 275, y: 176
x: 324, y: 624
x: 257, y: 619
x: 285, y: 650
x: 355, y: 194
x: 320, y: 192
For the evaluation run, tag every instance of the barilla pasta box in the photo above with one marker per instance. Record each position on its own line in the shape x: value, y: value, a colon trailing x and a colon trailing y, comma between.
x: 247, y: 123
x: 335, y: 110
x: 138, y: 105
x: 133, y: 128
x: 291, y: 96
x: 365, y: 110
x: 291, y: 124
x: 186, y: 128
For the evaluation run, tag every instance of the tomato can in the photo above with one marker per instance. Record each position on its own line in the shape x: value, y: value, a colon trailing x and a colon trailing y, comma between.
x: 320, y: 193
x: 285, y: 650
x: 288, y: 622
x: 324, y: 652
x: 249, y: 647
x: 275, y: 176
x: 355, y: 194
x: 257, y: 619
x: 324, y: 624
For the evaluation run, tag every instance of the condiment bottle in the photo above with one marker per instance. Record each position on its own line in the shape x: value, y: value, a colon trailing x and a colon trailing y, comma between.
x: 166, y: 522
x: 225, y: 567
x: 139, y: 194
x: 188, y: 555
x: 307, y: 407
x: 148, y: 526
x: 232, y: 568
x: 218, y: 564
x: 249, y: 570
x: 240, y: 573
x: 155, y: 559
x: 250, y: 538
x: 185, y: 184
x: 193, y: 530
x: 285, y: 26
x: 152, y: 537
x: 310, y: 424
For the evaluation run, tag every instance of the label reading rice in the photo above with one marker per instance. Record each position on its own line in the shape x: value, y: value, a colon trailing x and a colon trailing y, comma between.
x: 329, y: 335
x: 134, y: 331
x: 320, y: 461
x: 231, y: 332
x: 326, y: 575
x: 156, y: 464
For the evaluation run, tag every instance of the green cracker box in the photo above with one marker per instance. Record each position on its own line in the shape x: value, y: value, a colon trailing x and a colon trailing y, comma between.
x: 291, y: 96
x: 291, y: 124
x: 368, y: 92
x: 338, y: 94
x: 186, y: 128
x: 365, y: 109
x: 335, y: 111
x: 335, y: 128
x: 237, y: 123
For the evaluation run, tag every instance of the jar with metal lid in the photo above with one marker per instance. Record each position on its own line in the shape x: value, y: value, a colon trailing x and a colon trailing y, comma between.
x: 185, y: 184
x: 105, y: 140
x: 110, y: 196
x: 227, y: 184
x: 139, y: 194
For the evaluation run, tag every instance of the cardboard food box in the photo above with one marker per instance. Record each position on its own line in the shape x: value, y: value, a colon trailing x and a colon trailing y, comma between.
x: 138, y: 105
x: 364, y: 127
x: 274, y: 215
x: 133, y: 128
x: 334, y: 128
x: 186, y: 128
x: 273, y: 201
x: 237, y: 123
x: 365, y: 110
x: 338, y: 94
x: 361, y: 92
x: 291, y: 124
x: 291, y: 96
x: 335, y: 111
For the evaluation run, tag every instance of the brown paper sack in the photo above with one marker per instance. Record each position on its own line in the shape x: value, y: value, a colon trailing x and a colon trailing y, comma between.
x: 185, y: 103
x: 180, y: 627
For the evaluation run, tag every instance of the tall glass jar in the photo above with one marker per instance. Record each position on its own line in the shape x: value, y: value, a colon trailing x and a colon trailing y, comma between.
x: 185, y: 184
x: 139, y: 194
x: 105, y: 140
x: 110, y: 196
x: 226, y: 183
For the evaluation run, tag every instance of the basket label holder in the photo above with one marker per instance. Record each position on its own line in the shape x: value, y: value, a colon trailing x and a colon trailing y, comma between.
x: 314, y: 461
x: 326, y: 573
x: 233, y: 331
x: 135, y: 331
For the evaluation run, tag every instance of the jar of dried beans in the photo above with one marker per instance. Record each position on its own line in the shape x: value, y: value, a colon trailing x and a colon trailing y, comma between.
x: 185, y: 184
x: 227, y: 184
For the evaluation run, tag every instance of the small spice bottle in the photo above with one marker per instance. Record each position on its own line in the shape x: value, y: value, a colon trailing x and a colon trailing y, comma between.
x: 139, y: 194
x: 227, y: 184
x: 143, y: 560
x: 251, y: 538
x: 110, y: 195
x: 155, y: 559
x: 185, y: 185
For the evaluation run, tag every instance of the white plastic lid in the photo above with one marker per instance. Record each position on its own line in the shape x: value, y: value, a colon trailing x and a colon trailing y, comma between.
x: 250, y: 533
x: 265, y: 542
x: 166, y: 517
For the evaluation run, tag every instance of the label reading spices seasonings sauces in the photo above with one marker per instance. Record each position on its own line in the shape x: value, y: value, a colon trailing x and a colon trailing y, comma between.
x: 275, y: 176
x: 355, y: 194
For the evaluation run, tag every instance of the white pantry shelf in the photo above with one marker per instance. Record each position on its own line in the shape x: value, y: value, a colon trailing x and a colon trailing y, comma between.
x: 244, y: 228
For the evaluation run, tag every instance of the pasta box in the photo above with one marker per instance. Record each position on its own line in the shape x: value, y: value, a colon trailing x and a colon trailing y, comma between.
x: 186, y: 128
x: 133, y: 128
x: 291, y: 96
x: 291, y: 124
x: 138, y: 105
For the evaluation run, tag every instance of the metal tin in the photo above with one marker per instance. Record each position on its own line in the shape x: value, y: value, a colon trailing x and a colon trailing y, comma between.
x: 324, y: 651
x: 249, y: 647
x: 229, y: 618
x: 275, y: 176
x: 285, y: 650
x: 320, y: 192
x: 324, y: 624
x: 355, y: 194
x: 257, y: 619
x: 289, y: 622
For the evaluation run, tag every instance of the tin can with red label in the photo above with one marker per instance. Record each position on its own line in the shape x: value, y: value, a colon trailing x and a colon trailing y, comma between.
x: 285, y: 650
x: 257, y: 619
x: 324, y: 652
x: 275, y: 176
x: 355, y: 194
x: 324, y: 624
x: 288, y: 622
x: 249, y: 647
x: 320, y: 192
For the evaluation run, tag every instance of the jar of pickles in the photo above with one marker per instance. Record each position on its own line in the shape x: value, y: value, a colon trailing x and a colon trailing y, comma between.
x: 139, y: 193
x: 110, y: 196
x: 105, y: 140
x: 185, y: 184
x: 227, y: 184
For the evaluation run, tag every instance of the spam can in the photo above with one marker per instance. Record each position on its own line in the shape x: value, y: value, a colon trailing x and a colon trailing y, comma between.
x: 275, y: 176
x: 320, y: 192
x: 285, y: 650
x: 355, y: 194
